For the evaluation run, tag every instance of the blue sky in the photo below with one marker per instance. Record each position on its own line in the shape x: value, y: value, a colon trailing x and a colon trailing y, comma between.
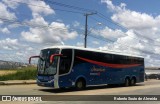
x: 26, y: 26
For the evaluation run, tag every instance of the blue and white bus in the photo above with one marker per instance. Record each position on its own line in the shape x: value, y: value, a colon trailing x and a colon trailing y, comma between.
x: 63, y: 66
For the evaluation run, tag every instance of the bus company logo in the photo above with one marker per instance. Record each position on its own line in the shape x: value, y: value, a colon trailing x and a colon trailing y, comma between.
x: 6, y: 98
x: 94, y: 69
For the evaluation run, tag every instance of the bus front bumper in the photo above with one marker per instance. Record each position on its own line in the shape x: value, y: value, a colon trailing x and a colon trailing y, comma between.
x: 46, y: 83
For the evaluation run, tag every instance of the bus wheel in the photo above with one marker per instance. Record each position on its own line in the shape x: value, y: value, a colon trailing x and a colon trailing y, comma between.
x: 126, y: 84
x: 80, y: 84
x: 133, y: 82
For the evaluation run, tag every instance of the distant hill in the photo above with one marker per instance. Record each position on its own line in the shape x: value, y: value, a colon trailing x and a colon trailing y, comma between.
x: 11, y: 64
x: 152, y: 68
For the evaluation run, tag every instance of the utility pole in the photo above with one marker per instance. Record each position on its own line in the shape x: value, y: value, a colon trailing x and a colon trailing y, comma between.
x: 86, y: 27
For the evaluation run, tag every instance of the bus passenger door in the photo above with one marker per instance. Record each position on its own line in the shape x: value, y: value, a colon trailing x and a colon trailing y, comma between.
x: 65, y: 68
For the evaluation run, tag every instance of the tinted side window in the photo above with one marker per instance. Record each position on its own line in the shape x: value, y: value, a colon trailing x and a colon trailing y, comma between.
x: 105, y: 57
x: 65, y: 61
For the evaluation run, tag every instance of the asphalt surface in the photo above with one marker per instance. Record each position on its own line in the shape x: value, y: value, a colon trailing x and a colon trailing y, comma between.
x: 17, y: 82
x: 151, y: 87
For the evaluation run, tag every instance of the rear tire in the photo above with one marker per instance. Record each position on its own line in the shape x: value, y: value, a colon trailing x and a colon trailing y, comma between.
x: 126, y: 84
x: 80, y: 84
x: 133, y: 82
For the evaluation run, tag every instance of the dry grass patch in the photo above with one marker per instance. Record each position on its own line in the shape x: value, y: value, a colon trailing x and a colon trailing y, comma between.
x: 5, y: 72
x: 19, y: 74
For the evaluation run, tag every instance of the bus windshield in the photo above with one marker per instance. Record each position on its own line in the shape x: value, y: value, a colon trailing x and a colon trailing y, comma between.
x: 44, y: 65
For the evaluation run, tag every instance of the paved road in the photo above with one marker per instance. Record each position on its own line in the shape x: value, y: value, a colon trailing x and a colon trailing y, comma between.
x: 151, y: 87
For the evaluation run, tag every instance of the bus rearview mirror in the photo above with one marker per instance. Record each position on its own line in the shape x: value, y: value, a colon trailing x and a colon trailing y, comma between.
x: 52, y: 57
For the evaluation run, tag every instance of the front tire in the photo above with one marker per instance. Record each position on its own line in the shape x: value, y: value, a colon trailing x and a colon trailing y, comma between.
x: 80, y: 84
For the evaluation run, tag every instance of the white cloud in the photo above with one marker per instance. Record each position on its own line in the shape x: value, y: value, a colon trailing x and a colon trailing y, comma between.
x: 40, y: 31
x: 131, y: 19
x: 11, y: 4
x: 19, y: 53
x: 40, y: 8
x: 1, y: 22
x: 122, y: 41
x: 33, y: 35
x: 80, y: 44
x: 95, y: 42
x: 134, y: 20
x: 15, y: 50
x: 9, y: 44
x: 5, y: 30
x: 55, y: 32
x: 37, y: 21
x: 5, y: 13
x: 14, y: 25
x: 109, y: 33
x: 145, y: 24
x: 30, y: 48
x: 76, y: 24
x: 126, y: 43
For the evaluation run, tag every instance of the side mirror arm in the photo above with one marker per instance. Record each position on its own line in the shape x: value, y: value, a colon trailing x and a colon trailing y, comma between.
x: 33, y: 57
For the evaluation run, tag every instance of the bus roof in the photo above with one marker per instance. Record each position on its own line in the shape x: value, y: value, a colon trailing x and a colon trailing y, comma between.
x: 90, y: 49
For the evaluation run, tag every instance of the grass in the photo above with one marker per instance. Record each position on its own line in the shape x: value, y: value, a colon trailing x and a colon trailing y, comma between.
x: 20, y: 74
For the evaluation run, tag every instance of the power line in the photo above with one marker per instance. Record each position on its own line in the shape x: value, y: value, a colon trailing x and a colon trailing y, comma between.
x: 122, y: 44
x: 100, y: 15
x: 69, y: 6
x: 68, y: 11
x: 117, y: 24
x: 48, y: 7
x: 31, y: 25
x: 106, y: 40
x: 89, y: 35
x: 125, y: 45
x: 82, y: 9
x: 127, y: 34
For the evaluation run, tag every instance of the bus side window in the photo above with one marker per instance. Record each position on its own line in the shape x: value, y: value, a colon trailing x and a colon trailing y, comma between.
x: 64, y: 66
x: 65, y: 61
